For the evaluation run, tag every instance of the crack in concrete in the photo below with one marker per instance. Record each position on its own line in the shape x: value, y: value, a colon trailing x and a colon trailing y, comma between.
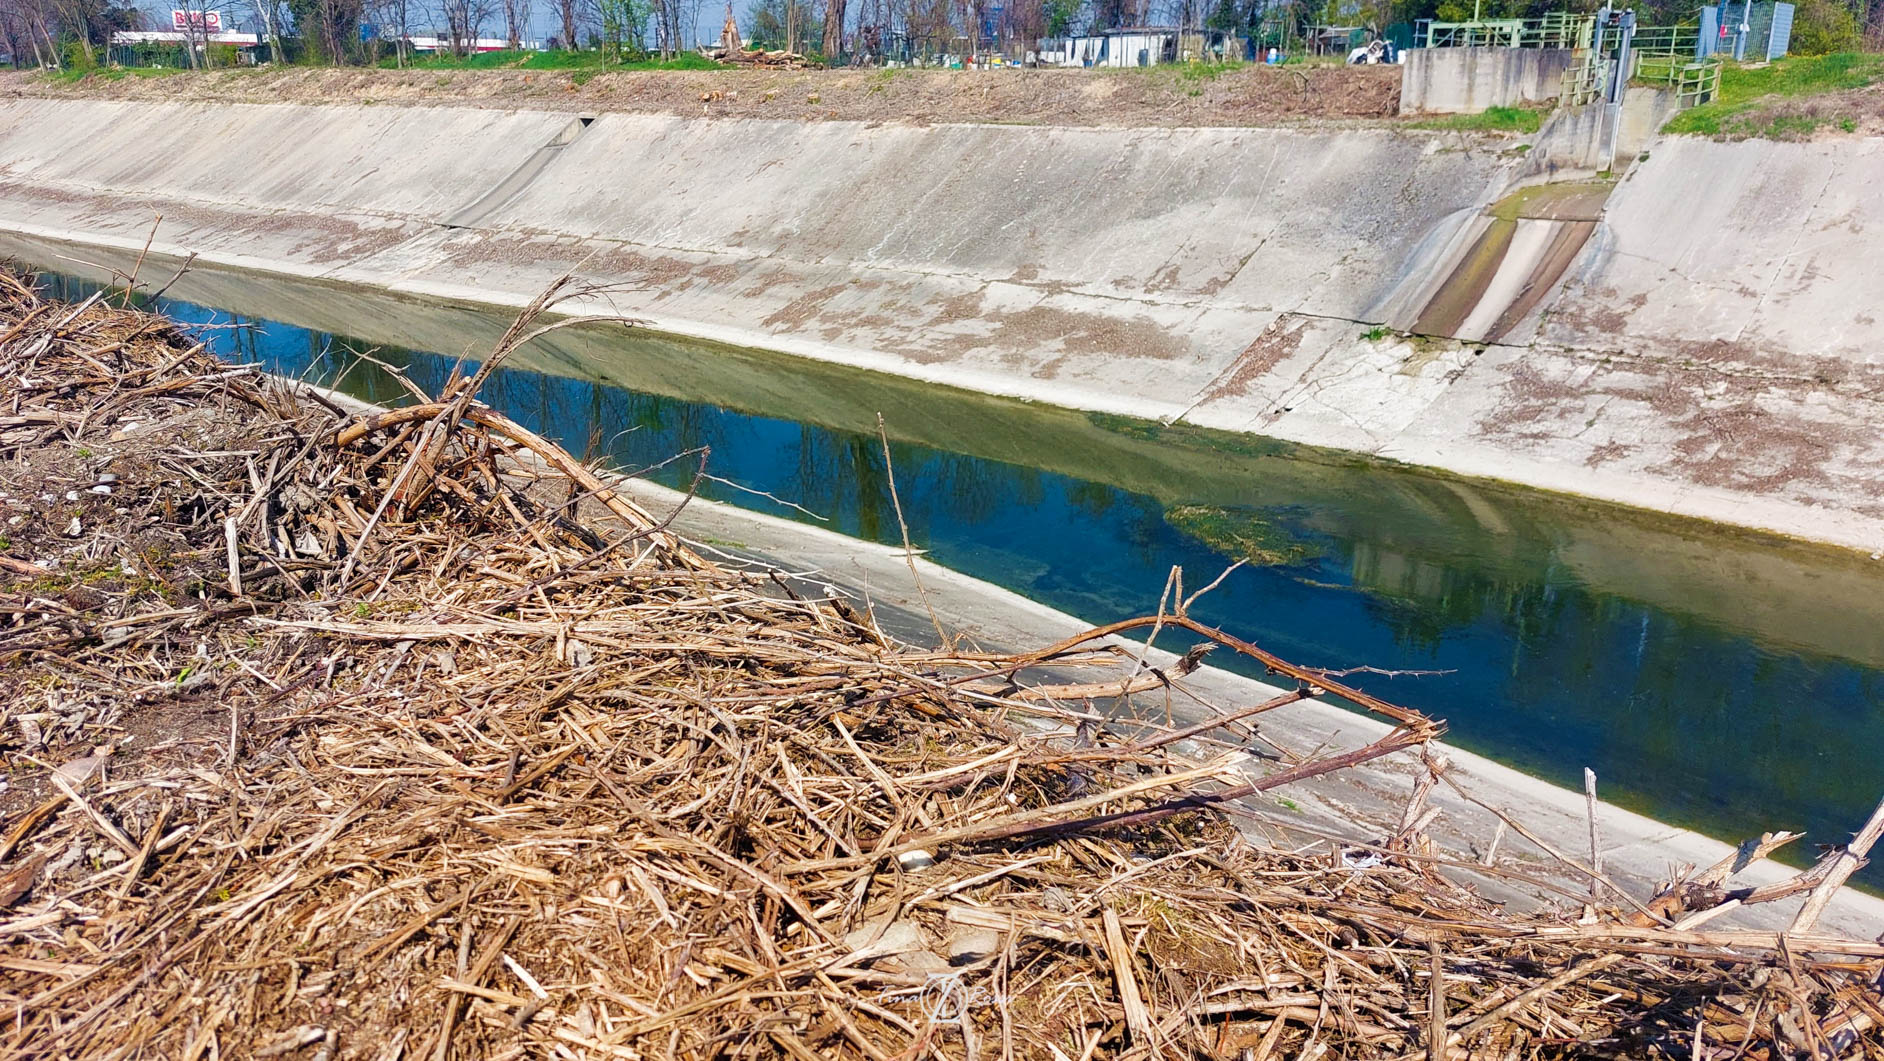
x: 1791, y: 249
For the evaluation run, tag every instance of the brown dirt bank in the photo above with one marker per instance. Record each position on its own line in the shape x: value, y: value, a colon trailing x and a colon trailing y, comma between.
x: 1156, y: 98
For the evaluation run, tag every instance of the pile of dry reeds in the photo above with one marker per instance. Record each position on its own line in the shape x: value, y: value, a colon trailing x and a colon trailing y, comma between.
x: 445, y: 748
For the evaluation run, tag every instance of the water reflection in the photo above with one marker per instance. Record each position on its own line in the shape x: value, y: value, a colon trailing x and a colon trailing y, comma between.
x: 1727, y: 684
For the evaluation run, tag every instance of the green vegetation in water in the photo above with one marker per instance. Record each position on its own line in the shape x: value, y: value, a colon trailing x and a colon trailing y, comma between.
x: 1536, y: 200
x: 1781, y: 100
x: 1240, y: 534
x: 1192, y: 437
x: 1491, y: 120
x: 589, y: 62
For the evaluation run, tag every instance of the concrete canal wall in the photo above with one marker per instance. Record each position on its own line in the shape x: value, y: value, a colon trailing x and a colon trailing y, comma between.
x: 1101, y: 267
x: 1469, y: 80
x: 1705, y: 354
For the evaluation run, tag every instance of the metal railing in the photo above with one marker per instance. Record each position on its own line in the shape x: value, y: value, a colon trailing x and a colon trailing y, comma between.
x: 1661, y: 40
x: 1585, y: 82
x: 1694, y: 81
x: 1558, y: 29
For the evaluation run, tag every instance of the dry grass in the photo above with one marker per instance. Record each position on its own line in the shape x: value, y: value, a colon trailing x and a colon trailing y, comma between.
x: 1156, y: 97
x: 495, y: 766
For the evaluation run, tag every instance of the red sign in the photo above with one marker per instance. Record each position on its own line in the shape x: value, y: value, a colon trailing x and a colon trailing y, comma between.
x: 202, y: 21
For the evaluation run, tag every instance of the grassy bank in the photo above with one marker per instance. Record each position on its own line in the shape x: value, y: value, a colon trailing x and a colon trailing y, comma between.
x: 1790, y: 99
x: 1223, y: 96
x: 1490, y: 120
x: 111, y: 73
x: 548, y: 60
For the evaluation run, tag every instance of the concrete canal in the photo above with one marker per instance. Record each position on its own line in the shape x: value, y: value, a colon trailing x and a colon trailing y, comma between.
x: 1722, y: 680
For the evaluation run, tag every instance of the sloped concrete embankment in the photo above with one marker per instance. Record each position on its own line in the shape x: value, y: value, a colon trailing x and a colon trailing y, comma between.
x: 1709, y: 351
x: 1698, y: 359
x: 1113, y: 268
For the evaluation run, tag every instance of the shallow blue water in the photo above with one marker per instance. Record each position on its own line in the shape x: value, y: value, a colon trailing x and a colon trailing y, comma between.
x: 1690, y: 704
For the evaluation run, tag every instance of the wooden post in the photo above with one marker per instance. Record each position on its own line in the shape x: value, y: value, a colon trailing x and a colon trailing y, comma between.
x: 1596, y: 846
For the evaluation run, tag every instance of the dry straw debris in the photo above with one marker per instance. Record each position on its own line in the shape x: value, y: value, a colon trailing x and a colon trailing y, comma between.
x: 403, y: 735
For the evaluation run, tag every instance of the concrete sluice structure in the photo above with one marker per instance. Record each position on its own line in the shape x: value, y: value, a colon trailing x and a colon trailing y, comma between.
x: 1701, y: 343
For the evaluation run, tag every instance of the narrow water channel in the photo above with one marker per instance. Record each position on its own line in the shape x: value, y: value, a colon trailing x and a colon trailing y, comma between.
x: 1716, y: 679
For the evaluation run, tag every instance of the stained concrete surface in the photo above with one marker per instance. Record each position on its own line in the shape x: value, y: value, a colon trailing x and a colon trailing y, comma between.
x: 1708, y: 355
x: 1469, y: 80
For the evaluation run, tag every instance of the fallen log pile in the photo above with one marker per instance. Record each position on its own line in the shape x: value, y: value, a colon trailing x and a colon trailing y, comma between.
x: 402, y: 734
x: 732, y: 49
x: 777, y: 59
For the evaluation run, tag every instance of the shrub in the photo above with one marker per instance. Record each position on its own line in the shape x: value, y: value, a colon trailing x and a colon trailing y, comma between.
x: 1821, y: 27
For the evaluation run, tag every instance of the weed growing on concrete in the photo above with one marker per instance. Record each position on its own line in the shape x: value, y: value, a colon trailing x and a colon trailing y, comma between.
x: 1492, y: 120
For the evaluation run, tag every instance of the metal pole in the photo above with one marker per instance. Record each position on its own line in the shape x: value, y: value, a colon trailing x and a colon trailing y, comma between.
x: 1617, y: 88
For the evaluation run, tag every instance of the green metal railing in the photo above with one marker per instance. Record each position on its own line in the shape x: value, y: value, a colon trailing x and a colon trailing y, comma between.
x: 1559, y: 29
x: 1694, y: 81
x: 1666, y: 40
x: 1585, y: 82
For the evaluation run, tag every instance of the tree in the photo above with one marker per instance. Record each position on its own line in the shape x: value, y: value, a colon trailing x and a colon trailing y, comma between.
x: 394, y: 18
x: 624, y: 25
x: 1059, y: 16
x: 833, y: 29
x: 195, y: 32
x: 1230, y: 16
x: 272, y: 17
x: 1820, y: 27
x: 1111, y: 14
x: 24, y: 24
x: 666, y: 26
x: 81, y: 20
x: 694, y: 9
x: 516, y: 16
x: 329, y: 28
x: 768, y: 25
x: 464, y: 23
x: 566, y: 10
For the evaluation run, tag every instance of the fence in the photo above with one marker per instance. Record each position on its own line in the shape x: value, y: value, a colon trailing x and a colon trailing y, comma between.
x: 1694, y: 81
x: 1585, y: 82
x: 1558, y: 29
x: 1666, y: 40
